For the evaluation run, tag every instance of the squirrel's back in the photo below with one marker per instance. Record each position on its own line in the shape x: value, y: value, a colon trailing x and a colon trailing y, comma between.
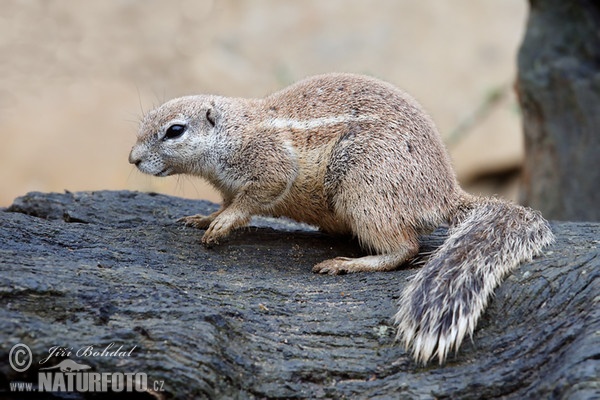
x: 352, y: 132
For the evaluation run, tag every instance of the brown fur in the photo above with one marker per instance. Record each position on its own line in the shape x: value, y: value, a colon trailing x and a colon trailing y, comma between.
x: 350, y: 154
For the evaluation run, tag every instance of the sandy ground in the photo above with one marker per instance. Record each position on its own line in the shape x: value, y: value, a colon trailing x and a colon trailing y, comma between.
x: 75, y: 76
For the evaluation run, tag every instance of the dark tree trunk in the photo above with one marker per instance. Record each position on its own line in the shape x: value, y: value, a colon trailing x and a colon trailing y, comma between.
x: 559, y: 90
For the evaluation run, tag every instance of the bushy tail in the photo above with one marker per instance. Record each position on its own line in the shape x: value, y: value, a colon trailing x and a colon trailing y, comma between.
x: 448, y: 295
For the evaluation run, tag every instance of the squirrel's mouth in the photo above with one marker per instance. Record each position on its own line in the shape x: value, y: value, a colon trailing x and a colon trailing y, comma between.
x: 164, y: 172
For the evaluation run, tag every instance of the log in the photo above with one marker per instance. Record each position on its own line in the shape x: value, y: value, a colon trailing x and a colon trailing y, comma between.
x: 248, y: 318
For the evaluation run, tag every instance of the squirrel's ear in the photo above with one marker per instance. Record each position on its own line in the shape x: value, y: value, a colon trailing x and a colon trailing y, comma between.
x: 210, y: 116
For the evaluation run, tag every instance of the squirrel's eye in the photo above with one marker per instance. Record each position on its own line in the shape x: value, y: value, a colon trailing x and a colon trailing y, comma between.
x: 174, y: 131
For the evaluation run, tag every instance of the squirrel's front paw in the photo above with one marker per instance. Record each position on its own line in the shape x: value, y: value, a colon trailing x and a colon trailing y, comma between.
x: 217, y: 230
x: 209, y: 241
x: 197, y: 221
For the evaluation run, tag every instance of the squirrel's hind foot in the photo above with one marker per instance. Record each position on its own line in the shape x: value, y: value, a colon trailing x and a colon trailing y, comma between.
x: 340, y: 265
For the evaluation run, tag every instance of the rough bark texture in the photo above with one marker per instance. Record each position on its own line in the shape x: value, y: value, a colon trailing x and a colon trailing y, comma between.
x: 559, y: 90
x: 248, y: 319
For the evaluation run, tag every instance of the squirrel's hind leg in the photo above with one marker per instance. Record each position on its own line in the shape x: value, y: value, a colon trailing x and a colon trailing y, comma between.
x: 380, y: 262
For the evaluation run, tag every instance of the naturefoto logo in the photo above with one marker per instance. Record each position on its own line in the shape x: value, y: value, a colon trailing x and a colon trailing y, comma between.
x: 70, y: 375
x: 68, y: 366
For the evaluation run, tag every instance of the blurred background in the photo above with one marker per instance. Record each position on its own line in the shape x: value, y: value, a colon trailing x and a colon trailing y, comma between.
x: 75, y: 77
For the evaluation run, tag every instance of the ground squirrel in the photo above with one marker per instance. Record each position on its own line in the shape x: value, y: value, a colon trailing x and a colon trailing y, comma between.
x: 353, y: 155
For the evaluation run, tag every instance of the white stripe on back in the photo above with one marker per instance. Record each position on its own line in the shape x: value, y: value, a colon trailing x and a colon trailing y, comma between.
x: 290, y: 123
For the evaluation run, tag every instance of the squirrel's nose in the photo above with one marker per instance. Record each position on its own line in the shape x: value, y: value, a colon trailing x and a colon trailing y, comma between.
x: 133, y: 159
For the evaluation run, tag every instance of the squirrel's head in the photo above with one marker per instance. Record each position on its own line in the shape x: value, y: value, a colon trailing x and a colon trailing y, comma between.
x: 174, y: 137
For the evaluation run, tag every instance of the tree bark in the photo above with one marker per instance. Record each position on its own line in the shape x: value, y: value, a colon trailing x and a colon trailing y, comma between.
x: 558, y: 85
